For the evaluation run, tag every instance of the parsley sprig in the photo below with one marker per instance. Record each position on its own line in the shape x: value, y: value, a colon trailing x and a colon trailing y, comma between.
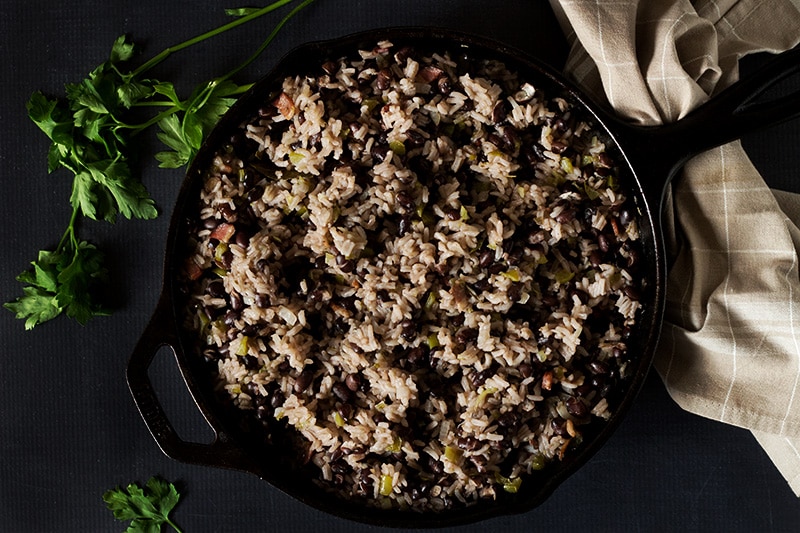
x: 92, y: 130
x: 147, y: 508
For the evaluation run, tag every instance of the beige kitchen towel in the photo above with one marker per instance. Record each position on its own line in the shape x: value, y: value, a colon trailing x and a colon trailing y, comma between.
x: 730, y: 345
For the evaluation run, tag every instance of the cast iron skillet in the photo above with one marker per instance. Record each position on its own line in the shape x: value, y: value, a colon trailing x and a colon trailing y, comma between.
x: 651, y: 157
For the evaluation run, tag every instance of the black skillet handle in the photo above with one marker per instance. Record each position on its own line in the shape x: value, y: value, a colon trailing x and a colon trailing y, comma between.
x: 733, y: 112
x: 724, y: 118
x: 162, y: 331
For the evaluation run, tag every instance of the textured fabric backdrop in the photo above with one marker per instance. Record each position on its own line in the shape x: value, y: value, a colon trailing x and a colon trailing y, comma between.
x: 730, y: 346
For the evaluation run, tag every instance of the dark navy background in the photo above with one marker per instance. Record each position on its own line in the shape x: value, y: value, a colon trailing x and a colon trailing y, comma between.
x: 68, y: 427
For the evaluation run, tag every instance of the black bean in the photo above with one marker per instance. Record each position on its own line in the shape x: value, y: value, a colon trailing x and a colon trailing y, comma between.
x: 469, y: 444
x: 451, y: 213
x: 595, y: 258
x: 416, y: 356
x: 227, y: 259
x: 404, y: 225
x: 605, y: 160
x: 237, y: 304
x: 496, y: 268
x: 384, y: 79
x: 216, y: 289
x: 242, y: 239
x: 405, y: 199
x: 364, y: 482
x: 341, y: 391
x: 444, y: 85
x: 227, y: 212
x: 230, y: 317
x: 276, y: 399
x: 479, y: 378
x: 466, y: 335
x: 344, y: 264
x: 353, y: 382
x: 536, y: 236
x: 602, y: 242
x: 632, y: 293
x: 210, y: 223
x: 436, y: 467
x: 408, y: 331
x: 495, y: 139
x: 383, y: 295
x: 565, y: 216
x: 251, y: 330
x: 558, y: 147
x: 515, y: 256
x: 330, y: 67
x: 499, y: 112
x: 345, y: 410
x: 538, y: 152
x: 514, y: 292
x: 403, y: 54
x: 559, y: 426
x: 262, y: 300
x: 576, y: 407
x: 481, y: 285
x: 597, y: 367
x: 264, y: 413
x: 486, y: 258
x: 415, y: 138
x: 509, y: 420
x: 339, y: 467
x: 525, y: 370
x: 303, y: 380
x: 251, y: 363
x: 510, y: 138
x: 379, y: 152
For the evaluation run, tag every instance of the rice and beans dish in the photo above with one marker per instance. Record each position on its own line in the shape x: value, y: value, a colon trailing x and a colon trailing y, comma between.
x: 423, y: 267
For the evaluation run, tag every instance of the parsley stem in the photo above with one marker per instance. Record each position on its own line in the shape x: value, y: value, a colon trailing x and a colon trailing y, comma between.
x: 70, y: 231
x: 268, y: 40
x: 173, y: 525
x: 154, y: 120
x: 155, y: 60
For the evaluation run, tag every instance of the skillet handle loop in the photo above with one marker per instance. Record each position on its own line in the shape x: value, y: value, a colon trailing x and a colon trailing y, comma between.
x: 162, y: 331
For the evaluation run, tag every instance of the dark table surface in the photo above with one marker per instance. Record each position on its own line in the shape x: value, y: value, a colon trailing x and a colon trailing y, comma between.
x: 68, y: 427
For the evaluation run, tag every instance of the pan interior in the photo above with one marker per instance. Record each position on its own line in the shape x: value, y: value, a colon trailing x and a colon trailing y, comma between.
x: 273, y: 453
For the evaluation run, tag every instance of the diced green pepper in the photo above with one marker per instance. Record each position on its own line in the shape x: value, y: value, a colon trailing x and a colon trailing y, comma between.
x: 452, y: 454
x: 242, y: 350
x: 563, y: 276
x: 397, y: 147
x: 538, y: 461
x: 433, y: 341
x: 395, y: 446
x: 386, y: 485
x: 338, y: 420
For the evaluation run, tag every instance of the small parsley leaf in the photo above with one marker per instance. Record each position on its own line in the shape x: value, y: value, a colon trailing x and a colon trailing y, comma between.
x: 147, y: 508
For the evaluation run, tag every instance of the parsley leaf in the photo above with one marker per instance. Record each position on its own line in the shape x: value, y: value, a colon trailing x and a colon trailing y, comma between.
x: 92, y: 129
x: 63, y: 281
x: 147, y: 508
